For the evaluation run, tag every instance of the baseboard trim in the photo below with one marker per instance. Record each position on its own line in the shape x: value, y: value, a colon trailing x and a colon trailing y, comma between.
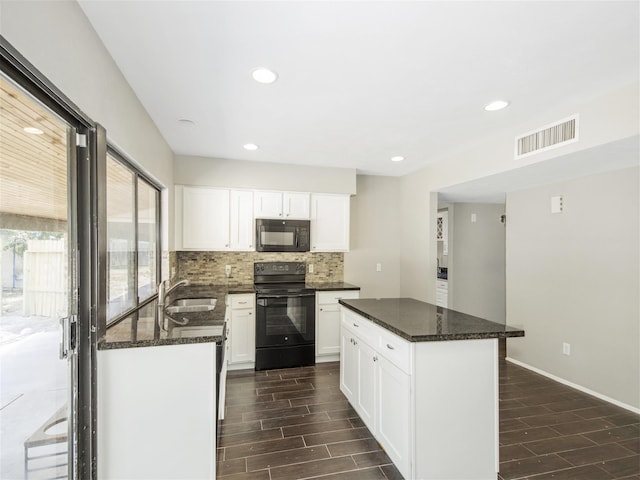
x: 574, y: 385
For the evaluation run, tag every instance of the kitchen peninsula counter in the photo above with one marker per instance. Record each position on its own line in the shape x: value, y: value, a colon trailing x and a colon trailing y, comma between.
x: 418, y: 321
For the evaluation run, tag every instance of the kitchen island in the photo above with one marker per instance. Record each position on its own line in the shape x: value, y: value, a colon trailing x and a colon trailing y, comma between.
x: 424, y: 379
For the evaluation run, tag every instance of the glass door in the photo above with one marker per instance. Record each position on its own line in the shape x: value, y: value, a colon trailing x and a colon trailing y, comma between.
x: 38, y: 251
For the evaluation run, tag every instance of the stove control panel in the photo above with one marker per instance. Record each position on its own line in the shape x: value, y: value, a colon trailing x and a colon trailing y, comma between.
x: 280, y: 268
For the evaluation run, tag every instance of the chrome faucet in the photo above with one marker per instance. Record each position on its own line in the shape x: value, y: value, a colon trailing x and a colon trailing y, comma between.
x: 163, y: 292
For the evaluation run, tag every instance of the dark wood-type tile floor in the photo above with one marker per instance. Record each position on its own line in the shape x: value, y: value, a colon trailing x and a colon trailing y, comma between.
x: 295, y: 424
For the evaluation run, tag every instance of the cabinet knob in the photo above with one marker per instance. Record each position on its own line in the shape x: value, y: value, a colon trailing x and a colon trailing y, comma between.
x: 375, y: 359
x: 356, y: 325
x: 250, y: 313
x: 321, y: 310
x: 390, y: 347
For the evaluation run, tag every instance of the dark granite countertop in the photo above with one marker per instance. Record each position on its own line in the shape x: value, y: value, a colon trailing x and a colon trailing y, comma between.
x: 418, y: 321
x: 147, y: 333
x: 148, y: 336
x: 329, y: 286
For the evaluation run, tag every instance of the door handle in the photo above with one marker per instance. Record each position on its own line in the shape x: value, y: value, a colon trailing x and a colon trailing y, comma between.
x: 67, y: 336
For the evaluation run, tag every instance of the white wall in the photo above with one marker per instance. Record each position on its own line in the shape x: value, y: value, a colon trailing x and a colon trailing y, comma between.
x: 574, y: 277
x: 374, y: 237
x: 477, y: 260
x: 58, y: 40
x: 604, y: 120
x: 216, y: 172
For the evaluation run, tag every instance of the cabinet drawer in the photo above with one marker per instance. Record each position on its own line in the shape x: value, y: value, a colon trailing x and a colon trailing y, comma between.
x: 242, y: 301
x: 442, y: 285
x: 323, y: 298
x: 441, y: 297
x: 359, y: 326
x: 395, y: 349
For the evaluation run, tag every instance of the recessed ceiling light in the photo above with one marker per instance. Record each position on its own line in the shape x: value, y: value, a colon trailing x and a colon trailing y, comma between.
x: 264, y: 75
x: 397, y: 158
x: 497, y: 105
x: 33, y: 130
x: 250, y: 146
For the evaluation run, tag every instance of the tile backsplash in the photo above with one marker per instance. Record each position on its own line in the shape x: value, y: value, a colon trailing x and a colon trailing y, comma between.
x: 208, y: 268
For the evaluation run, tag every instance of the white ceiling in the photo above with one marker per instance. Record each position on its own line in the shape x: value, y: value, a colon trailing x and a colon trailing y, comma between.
x: 360, y: 81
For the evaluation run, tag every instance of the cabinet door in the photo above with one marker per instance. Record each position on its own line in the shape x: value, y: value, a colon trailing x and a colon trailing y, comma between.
x: 243, y: 336
x: 205, y: 218
x: 329, y: 223
x: 241, y: 222
x: 393, y: 418
x: 367, y: 385
x: 295, y: 205
x: 268, y: 204
x: 445, y: 233
x: 328, y: 330
x: 348, y: 365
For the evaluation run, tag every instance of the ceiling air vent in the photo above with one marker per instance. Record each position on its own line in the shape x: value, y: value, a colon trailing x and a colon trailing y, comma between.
x: 548, y: 137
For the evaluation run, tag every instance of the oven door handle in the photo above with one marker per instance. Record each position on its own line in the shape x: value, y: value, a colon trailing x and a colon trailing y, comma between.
x: 272, y: 300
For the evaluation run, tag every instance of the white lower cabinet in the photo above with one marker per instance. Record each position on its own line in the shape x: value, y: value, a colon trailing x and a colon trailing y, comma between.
x: 328, y: 323
x: 242, y: 331
x: 442, y: 293
x: 393, y: 420
x: 427, y: 403
x: 349, y: 366
x: 366, y: 399
x: 157, y: 412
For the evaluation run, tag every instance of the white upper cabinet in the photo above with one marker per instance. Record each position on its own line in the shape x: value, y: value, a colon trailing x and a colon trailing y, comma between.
x: 329, y: 223
x: 216, y: 219
x: 242, y: 225
x: 287, y: 205
x: 204, y: 211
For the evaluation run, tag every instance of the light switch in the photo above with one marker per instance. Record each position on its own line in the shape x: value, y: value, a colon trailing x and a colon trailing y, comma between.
x: 474, y: 218
x: 557, y: 204
x: 378, y: 267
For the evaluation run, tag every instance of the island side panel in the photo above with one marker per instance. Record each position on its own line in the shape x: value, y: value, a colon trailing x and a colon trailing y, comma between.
x: 156, y: 412
x: 456, y: 405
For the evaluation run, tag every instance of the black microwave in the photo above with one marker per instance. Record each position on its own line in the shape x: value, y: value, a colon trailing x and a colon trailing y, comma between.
x: 282, y: 235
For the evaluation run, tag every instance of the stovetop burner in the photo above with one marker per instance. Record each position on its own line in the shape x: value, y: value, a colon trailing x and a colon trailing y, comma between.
x: 280, y: 278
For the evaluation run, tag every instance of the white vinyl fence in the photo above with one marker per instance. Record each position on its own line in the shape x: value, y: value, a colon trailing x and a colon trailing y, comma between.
x: 45, y: 278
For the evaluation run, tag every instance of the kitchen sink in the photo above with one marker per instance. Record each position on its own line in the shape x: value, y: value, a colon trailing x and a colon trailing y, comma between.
x: 197, y: 331
x: 191, y: 305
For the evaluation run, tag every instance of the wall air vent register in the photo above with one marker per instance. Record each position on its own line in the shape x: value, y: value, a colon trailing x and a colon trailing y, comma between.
x: 548, y: 137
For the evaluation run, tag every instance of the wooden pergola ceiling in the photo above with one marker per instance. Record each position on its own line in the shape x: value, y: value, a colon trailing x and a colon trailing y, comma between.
x: 33, y: 168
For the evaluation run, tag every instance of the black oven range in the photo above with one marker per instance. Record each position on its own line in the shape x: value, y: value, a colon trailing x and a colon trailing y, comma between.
x: 285, y: 316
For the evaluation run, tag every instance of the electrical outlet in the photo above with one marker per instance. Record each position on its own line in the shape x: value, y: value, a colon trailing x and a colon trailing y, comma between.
x: 378, y: 267
x: 566, y: 349
x: 227, y: 270
x: 311, y: 268
x: 557, y: 204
